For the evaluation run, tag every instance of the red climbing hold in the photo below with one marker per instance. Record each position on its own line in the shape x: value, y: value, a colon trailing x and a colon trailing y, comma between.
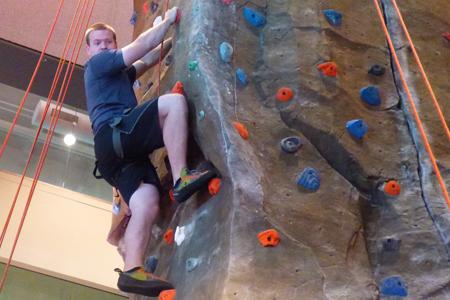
x: 227, y: 2
x: 146, y: 7
x: 168, y: 236
x: 171, y: 196
x: 269, y: 238
x: 214, y: 186
x: 392, y: 188
x: 328, y: 68
x: 284, y: 94
x: 167, y: 295
x: 178, y: 17
x: 178, y: 88
x: 446, y: 36
x: 241, y: 129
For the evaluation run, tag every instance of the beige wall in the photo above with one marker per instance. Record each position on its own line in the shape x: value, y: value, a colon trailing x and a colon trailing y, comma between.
x: 63, y: 236
x: 27, y: 22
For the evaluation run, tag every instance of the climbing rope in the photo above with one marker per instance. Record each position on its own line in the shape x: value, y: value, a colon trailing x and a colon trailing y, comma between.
x: 422, y: 71
x: 413, y: 106
x: 30, y: 84
x: 54, y: 118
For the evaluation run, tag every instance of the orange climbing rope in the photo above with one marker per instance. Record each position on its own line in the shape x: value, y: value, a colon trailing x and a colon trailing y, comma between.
x: 55, y: 117
x: 30, y: 84
x: 422, y: 71
x: 413, y: 106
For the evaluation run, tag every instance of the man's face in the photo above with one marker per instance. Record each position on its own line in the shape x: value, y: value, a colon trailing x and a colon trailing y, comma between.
x: 100, y: 40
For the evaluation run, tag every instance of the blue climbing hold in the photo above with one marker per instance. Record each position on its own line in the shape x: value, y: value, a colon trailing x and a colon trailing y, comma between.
x: 357, y: 128
x: 290, y: 144
x: 151, y: 263
x: 241, y: 77
x: 309, y: 179
x: 333, y: 17
x: 253, y: 17
x: 133, y: 18
x: 393, y: 286
x: 226, y: 52
x: 192, y: 263
x: 370, y: 95
x: 201, y: 115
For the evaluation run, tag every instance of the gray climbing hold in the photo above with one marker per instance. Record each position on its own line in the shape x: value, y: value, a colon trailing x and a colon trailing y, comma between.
x: 192, y: 263
x: 291, y: 144
x: 201, y: 115
x: 226, y: 52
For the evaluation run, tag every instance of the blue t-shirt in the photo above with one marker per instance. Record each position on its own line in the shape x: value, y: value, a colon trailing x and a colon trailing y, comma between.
x: 109, y: 87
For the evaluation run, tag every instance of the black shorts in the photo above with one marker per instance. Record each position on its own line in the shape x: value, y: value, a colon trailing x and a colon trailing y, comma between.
x: 139, y: 134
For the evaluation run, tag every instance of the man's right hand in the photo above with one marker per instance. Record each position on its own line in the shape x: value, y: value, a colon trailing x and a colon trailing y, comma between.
x: 171, y: 14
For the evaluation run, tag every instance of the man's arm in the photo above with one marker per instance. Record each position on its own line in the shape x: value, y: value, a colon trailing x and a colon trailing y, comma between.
x: 151, y: 58
x: 149, y: 39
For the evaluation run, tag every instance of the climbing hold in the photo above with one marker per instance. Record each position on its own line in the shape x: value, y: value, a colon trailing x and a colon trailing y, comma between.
x: 357, y: 128
x: 192, y: 263
x: 253, y: 17
x: 169, y: 60
x: 241, y: 77
x: 178, y: 16
x: 370, y: 95
x: 136, y: 84
x: 146, y: 7
x: 446, y: 35
x: 226, y: 52
x: 201, y: 115
x: 328, y: 68
x: 284, y: 94
x: 391, y: 244
x: 150, y: 264
x: 171, y: 196
x: 269, y: 238
x: 309, y: 179
x: 393, y: 286
x: 133, y: 18
x: 377, y: 70
x: 290, y: 144
x: 180, y: 235
x: 192, y: 65
x: 392, y: 188
x: 154, y: 6
x: 168, y: 236
x: 241, y: 129
x: 214, y: 186
x: 167, y: 295
x: 178, y: 88
x: 227, y: 2
x: 333, y: 17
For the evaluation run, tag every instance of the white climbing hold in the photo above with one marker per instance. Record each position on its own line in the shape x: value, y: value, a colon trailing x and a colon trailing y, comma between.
x: 179, y: 235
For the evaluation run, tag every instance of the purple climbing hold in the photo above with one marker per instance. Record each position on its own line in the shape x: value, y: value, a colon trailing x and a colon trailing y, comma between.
x: 133, y: 18
x: 253, y: 17
x: 309, y: 179
x: 370, y: 95
x: 357, y: 128
x: 154, y: 6
x: 226, y: 52
x: 333, y: 17
x: 377, y: 70
x: 291, y: 144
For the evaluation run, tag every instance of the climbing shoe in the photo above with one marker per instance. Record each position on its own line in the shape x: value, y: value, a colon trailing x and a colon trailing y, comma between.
x: 191, y: 181
x: 137, y: 281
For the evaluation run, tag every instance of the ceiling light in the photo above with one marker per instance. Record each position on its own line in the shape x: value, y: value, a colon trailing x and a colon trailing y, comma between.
x: 70, y: 139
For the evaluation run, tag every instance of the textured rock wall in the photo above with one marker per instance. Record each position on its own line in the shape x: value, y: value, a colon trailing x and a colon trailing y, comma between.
x: 333, y: 241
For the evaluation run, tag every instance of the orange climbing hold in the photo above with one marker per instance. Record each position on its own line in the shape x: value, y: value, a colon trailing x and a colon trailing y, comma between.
x: 168, y: 236
x: 269, y: 238
x: 328, y: 68
x: 284, y: 94
x: 392, y: 188
x: 214, y: 186
x: 178, y: 88
x: 167, y: 295
x: 241, y: 129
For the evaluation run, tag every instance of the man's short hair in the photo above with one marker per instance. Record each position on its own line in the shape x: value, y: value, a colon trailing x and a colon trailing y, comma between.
x: 99, y: 26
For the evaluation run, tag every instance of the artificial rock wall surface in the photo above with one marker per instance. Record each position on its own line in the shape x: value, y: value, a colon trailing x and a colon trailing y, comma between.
x: 336, y: 243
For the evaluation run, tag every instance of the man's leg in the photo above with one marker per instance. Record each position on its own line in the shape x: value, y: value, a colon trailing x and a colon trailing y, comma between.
x: 173, y: 119
x: 144, y: 206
